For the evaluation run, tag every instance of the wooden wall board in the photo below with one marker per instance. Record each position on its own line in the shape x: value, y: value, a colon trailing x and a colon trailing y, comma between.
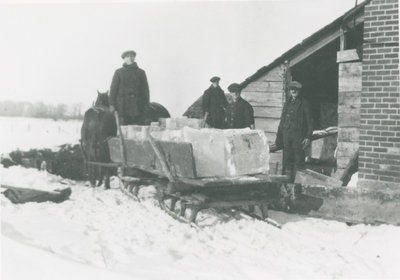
x: 309, y: 177
x: 275, y: 160
x: 347, y: 56
x: 267, y: 124
x: 265, y: 86
x: 260, y: 97
x: 348, y: 134
x: 349, y: 119
x: 349, y: 98
x: 267, y: 111
x: 350, y: 76
x: 271, y: 136
x: 275, y: 74
x: 140, y: 154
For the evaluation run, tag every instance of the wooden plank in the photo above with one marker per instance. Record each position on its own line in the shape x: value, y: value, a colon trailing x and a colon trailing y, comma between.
x: 179, y: 156
x: 342, y: 39
x: 347, y: 148
x: 348, y: 134
x: 260, y: 97
x: 349, y: 98
x: 227, y: 181
x: 349, y: 120
x: 345, y: 152
x: 266, y: 102
x: 141, y: 155
x: 349, y: 109
x: 350, y: 76
x: 318, y: 44
x: 267, y: 111
x: 351, y: 168
x: 275, y: 163
x: 265, y: 86
x: 309, y: 177
x: 270, y: 136
x: 342, y: 162
x: 324, y: 148
x: 275, y: 74
x: 267, y: 124
x: 347, y: 56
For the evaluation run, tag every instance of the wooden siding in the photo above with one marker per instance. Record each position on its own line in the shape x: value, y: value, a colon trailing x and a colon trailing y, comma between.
x: 349, y: 113
x: 266, y: 96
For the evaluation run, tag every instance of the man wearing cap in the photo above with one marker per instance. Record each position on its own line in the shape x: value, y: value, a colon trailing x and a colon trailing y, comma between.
x: 129, y: 92
x: 239, y: 113
x: 214, y: 103
x: 294, y: 131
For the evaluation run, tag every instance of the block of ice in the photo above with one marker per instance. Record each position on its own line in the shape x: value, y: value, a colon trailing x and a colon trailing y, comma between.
x: 227, y: 153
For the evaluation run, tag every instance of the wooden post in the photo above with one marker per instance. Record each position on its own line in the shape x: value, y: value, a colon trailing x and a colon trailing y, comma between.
x: 342, y: 39
x: 121, y: 137
x: 161, y: 157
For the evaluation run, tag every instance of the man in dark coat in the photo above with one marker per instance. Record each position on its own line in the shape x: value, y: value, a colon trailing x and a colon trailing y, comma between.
x: 294, y: 131
x: 238, y: 114
x: 213, y: 104
x: 129, y: 93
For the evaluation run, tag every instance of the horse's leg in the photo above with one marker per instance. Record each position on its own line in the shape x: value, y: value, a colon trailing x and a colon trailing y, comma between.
x: 107, y: 178
x: 99, y: 176
x: 91, y: 174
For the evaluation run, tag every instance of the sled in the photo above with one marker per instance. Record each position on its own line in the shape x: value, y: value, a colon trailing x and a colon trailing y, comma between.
x: 170, y: 166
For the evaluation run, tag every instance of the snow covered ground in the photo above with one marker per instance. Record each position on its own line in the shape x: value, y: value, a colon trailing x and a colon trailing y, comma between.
x: 27, y: 133
x: 103, y: 234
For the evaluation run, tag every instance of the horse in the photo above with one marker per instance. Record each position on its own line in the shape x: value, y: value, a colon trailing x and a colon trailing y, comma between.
x: 98, y: 126
x: 155, y: 112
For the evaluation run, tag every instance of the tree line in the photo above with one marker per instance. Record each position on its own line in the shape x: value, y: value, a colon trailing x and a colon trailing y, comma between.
x: 41, y: 110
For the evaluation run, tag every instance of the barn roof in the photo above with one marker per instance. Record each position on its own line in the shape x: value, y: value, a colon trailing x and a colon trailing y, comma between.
x: 335, y: 25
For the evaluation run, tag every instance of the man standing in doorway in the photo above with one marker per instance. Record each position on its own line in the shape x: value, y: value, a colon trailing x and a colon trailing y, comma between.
x: 294, y: 131
x: 214, y: 103
x: 238, y: 114
x: 129, y: 92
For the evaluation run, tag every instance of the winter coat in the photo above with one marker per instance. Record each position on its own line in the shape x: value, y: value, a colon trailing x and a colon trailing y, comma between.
x: 300, y: 124
x: 129, y: 92
x: 214, y: 102
x: 239, y: 114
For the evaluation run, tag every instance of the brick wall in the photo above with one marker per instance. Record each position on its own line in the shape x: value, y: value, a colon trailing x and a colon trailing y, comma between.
x: 379, y: 157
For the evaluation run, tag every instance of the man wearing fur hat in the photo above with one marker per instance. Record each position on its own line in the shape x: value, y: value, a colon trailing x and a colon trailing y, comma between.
x: 294, y: 131
x: 213, y: 104
x: 239, y: 113
x: 129, y: 92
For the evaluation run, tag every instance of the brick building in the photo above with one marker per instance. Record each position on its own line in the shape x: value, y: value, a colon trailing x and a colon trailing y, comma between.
x: 350, y: 74
x: 379, y: 156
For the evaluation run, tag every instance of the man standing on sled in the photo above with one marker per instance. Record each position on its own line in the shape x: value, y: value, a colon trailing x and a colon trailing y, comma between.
x: 129, y: 92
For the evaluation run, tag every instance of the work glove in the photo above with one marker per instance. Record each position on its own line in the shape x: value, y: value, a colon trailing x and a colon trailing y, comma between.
x: 305, y: 143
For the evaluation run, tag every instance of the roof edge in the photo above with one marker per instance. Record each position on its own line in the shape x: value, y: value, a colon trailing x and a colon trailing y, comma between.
x: 310, y: 39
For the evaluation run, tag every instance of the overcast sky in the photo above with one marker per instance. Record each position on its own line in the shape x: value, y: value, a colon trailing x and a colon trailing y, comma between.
x: 64, y: 52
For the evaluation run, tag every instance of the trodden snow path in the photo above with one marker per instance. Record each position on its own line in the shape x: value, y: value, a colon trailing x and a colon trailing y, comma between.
x: 108, y: 230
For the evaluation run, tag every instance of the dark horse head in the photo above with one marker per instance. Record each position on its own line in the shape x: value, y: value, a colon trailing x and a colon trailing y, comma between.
x: 102, y: 100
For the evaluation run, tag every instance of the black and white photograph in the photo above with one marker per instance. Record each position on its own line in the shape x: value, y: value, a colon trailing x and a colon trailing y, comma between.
x: 199, y: 139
